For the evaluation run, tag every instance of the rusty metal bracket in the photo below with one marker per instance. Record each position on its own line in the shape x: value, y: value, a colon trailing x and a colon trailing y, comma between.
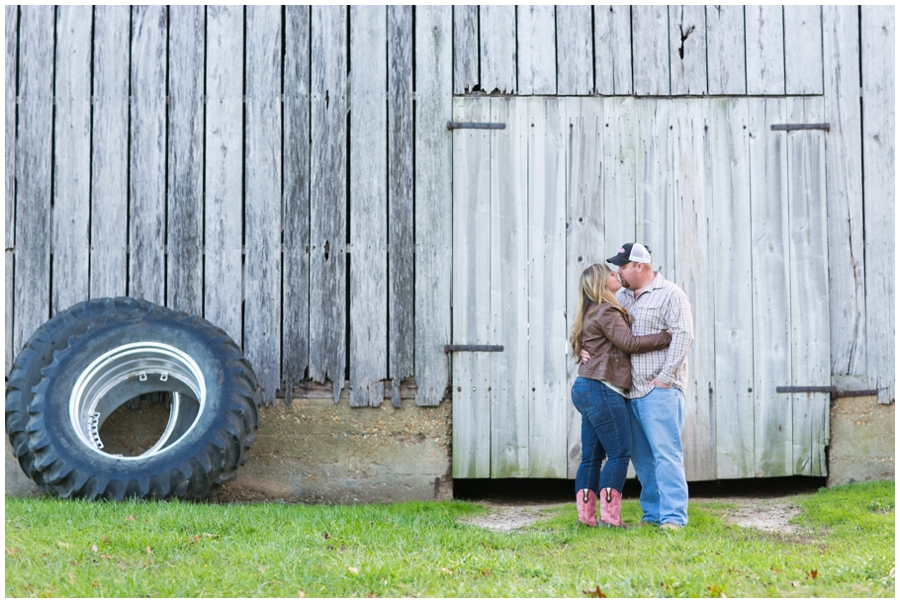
x: 791, y: 127
x: 473, y: 348
x: 824, y: 389
x: 468, y: 125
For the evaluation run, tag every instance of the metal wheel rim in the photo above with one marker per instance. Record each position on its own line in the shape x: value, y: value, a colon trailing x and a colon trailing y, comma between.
x: 111, y: 380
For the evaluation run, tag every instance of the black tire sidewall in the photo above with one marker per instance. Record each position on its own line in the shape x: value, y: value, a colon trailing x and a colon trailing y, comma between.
x: 60, y: 377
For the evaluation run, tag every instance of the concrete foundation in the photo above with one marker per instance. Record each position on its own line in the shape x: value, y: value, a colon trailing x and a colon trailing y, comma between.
x: 862, y: 441
x: 313, y: 451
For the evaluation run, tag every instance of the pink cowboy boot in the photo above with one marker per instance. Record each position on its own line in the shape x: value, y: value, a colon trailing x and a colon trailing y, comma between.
x: 610, y: 508
x: 586, y: 502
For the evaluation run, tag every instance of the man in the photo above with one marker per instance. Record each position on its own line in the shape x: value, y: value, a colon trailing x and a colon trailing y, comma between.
x: 656, y: 400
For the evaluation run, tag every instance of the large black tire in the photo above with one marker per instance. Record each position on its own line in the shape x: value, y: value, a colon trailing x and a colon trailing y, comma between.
x: 90, y: 359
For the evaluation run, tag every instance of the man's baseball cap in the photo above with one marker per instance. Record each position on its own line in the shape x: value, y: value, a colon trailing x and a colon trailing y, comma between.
x: 630, y: 252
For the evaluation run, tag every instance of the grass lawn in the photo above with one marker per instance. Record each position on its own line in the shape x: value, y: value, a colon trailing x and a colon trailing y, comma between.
x: 845, y: 548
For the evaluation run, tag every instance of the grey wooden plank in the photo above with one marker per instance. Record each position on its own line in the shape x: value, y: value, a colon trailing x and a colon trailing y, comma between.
x: 650, y: 50
x: 653, y: 178
x: 574, y: 50
x: 687, y: 49
x: 535, y: 35
x: 810, y: 323
x: 769, y: 228
x: 497, y: 35
x: 184, y: 203
x: 33, y: 172
x: 509, y: 288
x: 471, y: 278
x: 328, y: 195
x: 465, y: 48
x: 731, y: 252
x: 585, y: 243
x: 11, y: 73
x: 548, y: 398
x: 693, y: 213
x: 433, y: 190
x: 843, y: 190
x: 612, y: 49
x: 262, y: 196
x: 765, y: 49
x: 878, y: 74
x: 726, y: 52
x: 71, y: 158
x: 147, y: 154
x: 108, y: 156
x: 224, y: 169
x: 803, y: 67
x: 401, y: 239
x: 368, y: 204
x: 296, y: 157
x: 619, y: 161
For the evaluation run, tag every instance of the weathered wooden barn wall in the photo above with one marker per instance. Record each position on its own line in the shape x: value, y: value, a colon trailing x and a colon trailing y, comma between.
x: 287, y: 172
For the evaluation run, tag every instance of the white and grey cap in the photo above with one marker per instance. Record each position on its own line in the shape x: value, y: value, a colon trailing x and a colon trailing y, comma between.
x: 630, y: 252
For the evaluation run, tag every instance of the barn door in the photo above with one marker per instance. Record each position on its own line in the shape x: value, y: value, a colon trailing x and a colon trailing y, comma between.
x: 510, y: 408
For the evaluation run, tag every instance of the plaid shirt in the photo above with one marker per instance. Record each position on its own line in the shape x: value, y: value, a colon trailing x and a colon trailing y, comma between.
x: 662, y: 306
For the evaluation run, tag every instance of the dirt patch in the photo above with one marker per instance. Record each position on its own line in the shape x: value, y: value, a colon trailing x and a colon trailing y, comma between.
x: 506, y: 517
x: 767, y: 514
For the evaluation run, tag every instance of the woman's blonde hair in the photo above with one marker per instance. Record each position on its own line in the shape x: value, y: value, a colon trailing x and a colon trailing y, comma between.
x: 594, y: 289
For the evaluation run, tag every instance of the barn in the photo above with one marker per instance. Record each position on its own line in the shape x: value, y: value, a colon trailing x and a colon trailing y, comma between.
x: 388, y: 209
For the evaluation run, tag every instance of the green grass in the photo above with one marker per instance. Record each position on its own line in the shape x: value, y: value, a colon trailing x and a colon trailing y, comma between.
x: 77, y: 549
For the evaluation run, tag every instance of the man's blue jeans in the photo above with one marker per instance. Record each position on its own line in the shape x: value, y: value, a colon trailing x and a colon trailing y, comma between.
x: 657, y: 456
x: 605, y: 430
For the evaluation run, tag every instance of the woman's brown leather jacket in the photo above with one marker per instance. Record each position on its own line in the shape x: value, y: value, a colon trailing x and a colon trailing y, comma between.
x: 609, y: 340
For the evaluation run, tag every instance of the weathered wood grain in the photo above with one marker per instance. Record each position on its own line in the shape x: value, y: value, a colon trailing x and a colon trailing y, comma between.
x: 687, y: 49
x: 726, y: 56
x: 471, y: 292
x: 765, y: 49
x: 224, y: 169
x: 71, y: 158
x: 574, y: 50
x: 619, y: 214
x: 535, y: 35
x: 12, y: 44
x: 803, y: 49
x: 731, y: 252
x: 769, y: 227
x: 497, y: 33
x: 295, y: 210
x: 843, y: 190
x: 328, y: 196
x: 147, y: 154
x: 368, y: 204
x: 262, y: 197
x: 465, y: 48
x: 878, y: 75
x: 548, y: 400
x: 184, y: 202
x: 33, y: 172
x: 433, y: 190
x: 585, y: 242
x: 612, y: 49
x: 808, y: 253
x: 108, y: 154
x: 653, y: 177
x: 693, y: 212
x: 401, y: 236
x: 650, y: 50
x: 509, y: 289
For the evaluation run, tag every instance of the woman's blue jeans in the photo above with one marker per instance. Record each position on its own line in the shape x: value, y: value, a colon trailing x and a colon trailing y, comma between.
x: 605, y: 431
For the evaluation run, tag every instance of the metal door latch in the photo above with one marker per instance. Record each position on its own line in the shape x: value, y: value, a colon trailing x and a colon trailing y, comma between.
x: 473, y: 348
x: 824, y: 389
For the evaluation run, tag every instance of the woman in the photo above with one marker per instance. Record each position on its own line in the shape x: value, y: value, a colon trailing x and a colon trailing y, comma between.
x: 602, y: 328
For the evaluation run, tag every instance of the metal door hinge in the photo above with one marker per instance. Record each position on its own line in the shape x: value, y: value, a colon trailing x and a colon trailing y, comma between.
x: 824, y: 389
x: 791, y: 127
x: 473, y: 348
x: 467, y: 125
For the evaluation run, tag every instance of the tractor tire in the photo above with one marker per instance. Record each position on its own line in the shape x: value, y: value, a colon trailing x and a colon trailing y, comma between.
x: 89, y: 360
